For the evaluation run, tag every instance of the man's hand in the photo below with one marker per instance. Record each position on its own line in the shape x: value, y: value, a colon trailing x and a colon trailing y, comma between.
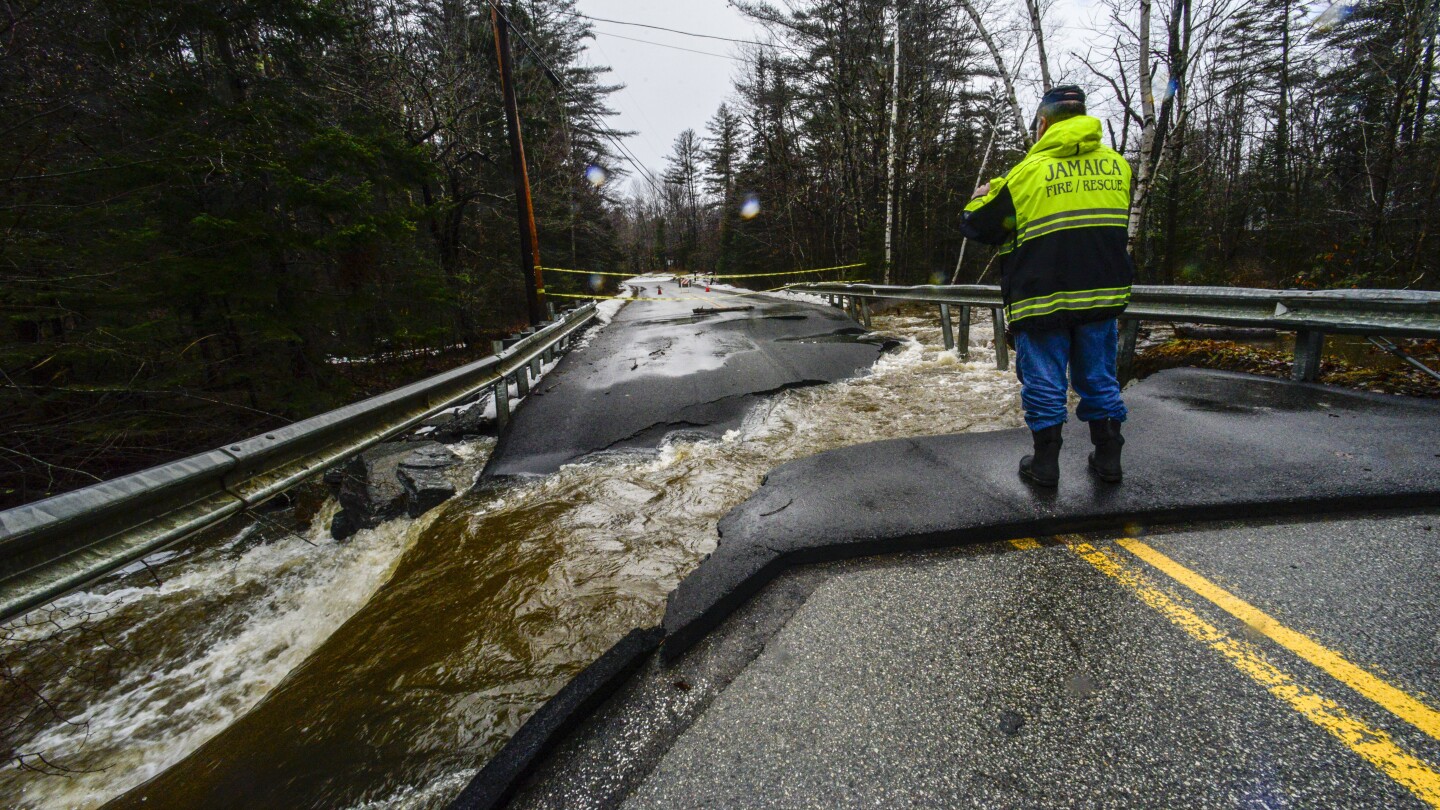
x: 980, y: 191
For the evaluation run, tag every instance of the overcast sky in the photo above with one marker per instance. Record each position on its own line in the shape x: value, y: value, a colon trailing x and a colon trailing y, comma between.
x: 669, y: 90
x: 666, y: 90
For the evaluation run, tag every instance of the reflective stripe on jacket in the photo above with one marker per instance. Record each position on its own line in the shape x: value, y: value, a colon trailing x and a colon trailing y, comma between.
x: 1060, y: 220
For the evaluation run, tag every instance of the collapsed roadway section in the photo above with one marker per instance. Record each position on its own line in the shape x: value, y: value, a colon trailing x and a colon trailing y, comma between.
x: 681, y: 360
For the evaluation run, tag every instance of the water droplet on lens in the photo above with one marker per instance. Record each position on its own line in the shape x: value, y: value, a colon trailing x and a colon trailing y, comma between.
x: 1338, y: 12
x: 596, y: 176
x: 751, y: 207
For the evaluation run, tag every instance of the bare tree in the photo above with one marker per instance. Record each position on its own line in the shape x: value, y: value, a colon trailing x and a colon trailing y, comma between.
x: 1037, y: 30
x: 1021, y: 122
x: 1144, y: 174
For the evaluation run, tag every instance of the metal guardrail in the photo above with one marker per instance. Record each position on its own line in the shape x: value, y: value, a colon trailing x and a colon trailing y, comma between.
x: 1310, y: 314
x: 51, y: 547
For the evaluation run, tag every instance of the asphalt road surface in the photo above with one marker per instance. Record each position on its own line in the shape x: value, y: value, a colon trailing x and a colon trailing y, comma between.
x: 683, y: 360
x: 1288, y: 664
x: 1200, y: 445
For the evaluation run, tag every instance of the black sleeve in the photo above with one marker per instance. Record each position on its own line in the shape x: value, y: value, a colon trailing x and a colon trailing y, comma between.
x: 992, y: 222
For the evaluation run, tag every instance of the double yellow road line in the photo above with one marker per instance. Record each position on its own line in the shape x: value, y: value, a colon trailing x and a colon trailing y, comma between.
x: 1371, y: 743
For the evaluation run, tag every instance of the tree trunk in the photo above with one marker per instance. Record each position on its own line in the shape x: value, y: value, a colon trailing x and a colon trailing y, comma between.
x: 1035, y: 26
x: 1282, y: 115
x: 1172, y: 207
x: 1144, y: 173
x: 1010, y: 96
x: 1427, y: 72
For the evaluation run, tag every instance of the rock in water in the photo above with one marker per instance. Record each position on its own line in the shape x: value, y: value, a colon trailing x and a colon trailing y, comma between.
x: 342, y: 527
x: 370, y: 489
x: 390, y: 480
x: 422, y: 473
x: 464, y: 424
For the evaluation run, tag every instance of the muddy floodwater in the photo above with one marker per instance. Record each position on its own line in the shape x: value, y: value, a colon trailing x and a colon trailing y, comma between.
x: 278, y: 668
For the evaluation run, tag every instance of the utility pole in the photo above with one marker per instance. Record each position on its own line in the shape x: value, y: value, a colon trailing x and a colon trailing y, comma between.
x: 894, y: 120
x: 525, y: 209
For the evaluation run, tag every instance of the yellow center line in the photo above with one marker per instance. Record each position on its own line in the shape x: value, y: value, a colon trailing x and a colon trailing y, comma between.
x: 1025, y: 543
x: 1370, y: 743
x: 1391, y: 698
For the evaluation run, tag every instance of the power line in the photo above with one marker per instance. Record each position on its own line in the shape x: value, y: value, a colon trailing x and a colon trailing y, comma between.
x: 624, y: 93
x: 678, y: 31
x: 675, y: 47
x: 600, y: 128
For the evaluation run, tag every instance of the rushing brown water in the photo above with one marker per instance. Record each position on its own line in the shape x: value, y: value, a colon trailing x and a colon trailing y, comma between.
x: 426, y: 645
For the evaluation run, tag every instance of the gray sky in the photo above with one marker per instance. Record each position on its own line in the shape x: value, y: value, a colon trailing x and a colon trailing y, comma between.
x: 669, y: 90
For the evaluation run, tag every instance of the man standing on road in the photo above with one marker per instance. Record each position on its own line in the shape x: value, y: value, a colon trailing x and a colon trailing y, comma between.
x: 1060, y: 218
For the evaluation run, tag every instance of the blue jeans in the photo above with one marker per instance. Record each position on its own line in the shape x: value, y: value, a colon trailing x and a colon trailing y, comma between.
x: 1089, y: 351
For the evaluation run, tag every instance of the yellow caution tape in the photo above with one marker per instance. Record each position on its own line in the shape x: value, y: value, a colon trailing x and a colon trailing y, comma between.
x: 588, y: 297
x: 710, y: 294
x: 703, y: 275
x: 592, y: 272
x: 790, y: 272
x: 655, y: 298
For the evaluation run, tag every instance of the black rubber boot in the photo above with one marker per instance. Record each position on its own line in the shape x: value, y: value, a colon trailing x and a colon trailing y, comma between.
x: 1043, y: 467
x: 1105, y: 461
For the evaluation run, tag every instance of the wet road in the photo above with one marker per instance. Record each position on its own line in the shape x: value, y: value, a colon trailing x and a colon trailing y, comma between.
x: 1280, y: 665
x: 1198, y: 444
x: 679, y: 360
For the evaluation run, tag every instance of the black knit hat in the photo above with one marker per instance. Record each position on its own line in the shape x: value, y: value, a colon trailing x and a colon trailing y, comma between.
x: 1066, y: 92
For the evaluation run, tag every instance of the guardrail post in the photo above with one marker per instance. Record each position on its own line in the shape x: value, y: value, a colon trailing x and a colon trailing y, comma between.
x: 1125, y: 354
x: 947, y: 333
x: 1308, y: 345
x: 550, y: 310
x: 535, y: 368
x: 1002, y: 352
x: 865, y: 312
x: 502, y: 403
x: 497, y: 346
x: 522, y: 383
x: 964, y: 345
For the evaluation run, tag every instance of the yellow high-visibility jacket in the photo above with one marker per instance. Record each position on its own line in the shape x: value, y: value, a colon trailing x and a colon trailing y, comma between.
x: 1060, y: 218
